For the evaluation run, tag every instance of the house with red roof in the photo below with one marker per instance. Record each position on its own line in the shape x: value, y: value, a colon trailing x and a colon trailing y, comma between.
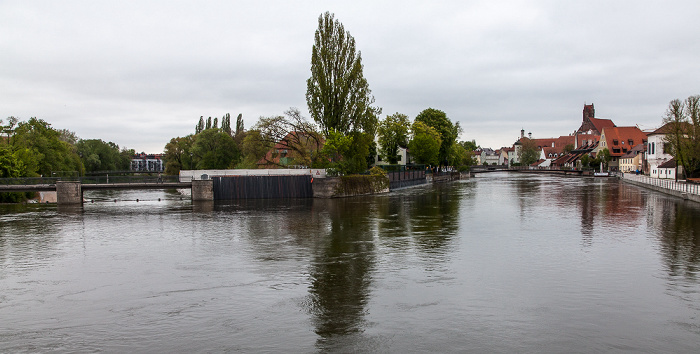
x: 618, y: 141
x: 295, y: 149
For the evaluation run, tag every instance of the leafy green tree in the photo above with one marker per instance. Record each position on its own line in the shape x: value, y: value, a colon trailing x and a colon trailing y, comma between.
x: 9, y: 127
x: 604, y: 157
x: 683, y: 137
x: 335, y: 148
x: 98, y: 155
x: 337, y: 93
x: 200, y: 126
x: 469, y: 145
x: 239, y: 124
x: 254, y: 148
x: 393, y: 134
x: 460, y: 157
x: 425, y: 144
x: 443, y: 125
x: 529, y: 153
x: 585, y: 161
x: 215, y: 149
x: 42, y: 151
x: 10, y: 165
x: 178, y: 155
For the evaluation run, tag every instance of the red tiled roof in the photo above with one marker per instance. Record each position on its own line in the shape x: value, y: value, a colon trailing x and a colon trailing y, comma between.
x: 600, y: 123
x: 623, y: 136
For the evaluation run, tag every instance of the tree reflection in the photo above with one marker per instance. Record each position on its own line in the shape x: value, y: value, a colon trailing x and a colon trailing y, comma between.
x: 435, y: 219
x: 528, y: 189
x: 342, y: 269
x: 679, y: 225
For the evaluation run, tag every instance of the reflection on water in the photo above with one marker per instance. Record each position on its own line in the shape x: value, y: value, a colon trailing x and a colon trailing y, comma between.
x: 498, y: 263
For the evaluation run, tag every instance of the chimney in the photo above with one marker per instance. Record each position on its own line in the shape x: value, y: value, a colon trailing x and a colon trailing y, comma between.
x: 529, y: 135
x: 522, y: 133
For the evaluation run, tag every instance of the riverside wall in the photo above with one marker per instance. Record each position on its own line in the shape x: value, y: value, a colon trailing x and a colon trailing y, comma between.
x: 680, y: 190
x: 349, y: 186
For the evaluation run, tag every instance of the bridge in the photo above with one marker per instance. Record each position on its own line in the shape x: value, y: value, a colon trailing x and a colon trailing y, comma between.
x: 70, y: 191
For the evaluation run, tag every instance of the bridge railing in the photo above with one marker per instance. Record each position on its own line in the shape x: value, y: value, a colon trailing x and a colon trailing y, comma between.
x: 89, y: 180
x: 29, y: 180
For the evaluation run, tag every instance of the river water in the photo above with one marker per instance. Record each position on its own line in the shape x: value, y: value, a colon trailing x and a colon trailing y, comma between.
x: 499, y: 263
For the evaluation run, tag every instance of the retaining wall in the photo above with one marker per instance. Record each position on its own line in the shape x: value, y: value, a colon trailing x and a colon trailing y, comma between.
x: 348, y: 186
x: 680, y: 194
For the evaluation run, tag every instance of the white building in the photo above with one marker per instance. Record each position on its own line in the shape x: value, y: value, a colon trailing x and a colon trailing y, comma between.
x: 657, y: 152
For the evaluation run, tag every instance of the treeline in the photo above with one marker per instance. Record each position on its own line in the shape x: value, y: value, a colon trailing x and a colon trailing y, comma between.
x: 210, y: 147
x: 342, y: 133
x: 33, y: 148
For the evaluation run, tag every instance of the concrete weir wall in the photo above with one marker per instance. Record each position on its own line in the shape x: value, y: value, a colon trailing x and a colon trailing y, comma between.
x: 339, y: 187
x: 202, y: 190
x: 68, y: 193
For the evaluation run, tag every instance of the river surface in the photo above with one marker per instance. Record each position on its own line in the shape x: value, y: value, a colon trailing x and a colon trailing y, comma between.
x: 501, y: 263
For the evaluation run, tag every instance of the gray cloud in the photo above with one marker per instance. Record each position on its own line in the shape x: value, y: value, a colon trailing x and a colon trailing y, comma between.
x: 140, y: 73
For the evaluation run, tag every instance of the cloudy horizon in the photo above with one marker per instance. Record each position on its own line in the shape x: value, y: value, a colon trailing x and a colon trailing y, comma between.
x: 141, y: 73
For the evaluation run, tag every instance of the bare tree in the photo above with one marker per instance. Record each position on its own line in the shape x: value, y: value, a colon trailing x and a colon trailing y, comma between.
x: 291, y: 132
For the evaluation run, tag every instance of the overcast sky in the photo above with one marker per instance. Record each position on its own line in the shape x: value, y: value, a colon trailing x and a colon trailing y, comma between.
x: 139, y: 73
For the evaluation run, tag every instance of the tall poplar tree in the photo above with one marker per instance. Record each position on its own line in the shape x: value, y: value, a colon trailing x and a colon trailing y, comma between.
x: 337, y: 92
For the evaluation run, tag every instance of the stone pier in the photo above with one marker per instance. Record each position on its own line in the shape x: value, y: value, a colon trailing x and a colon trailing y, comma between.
x: 68, y: 193
x: 202, y: 190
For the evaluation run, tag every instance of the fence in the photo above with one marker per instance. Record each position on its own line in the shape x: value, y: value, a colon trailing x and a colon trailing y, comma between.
x: 262, y: 187
x: 406, y: 178
x: 682, y: 187
x: 88, y: 180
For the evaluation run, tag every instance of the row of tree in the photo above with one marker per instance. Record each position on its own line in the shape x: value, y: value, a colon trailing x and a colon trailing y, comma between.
x: 431, y: 139
x: 210, y: 147
x: 33, y: 148
x: 341, y: 133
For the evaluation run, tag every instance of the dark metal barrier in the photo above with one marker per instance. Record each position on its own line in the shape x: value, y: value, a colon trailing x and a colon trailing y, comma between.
x: 406, y: 178
x: 262, y: 187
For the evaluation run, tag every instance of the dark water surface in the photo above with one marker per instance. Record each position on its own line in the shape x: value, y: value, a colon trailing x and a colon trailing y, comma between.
x: 499, y: 263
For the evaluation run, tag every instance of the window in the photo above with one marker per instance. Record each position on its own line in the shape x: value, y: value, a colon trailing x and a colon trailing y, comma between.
x: 653, y: 148
x: 615, y: 142
x: 631, y: 142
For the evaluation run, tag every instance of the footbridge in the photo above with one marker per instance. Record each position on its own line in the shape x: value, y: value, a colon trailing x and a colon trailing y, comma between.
x: 70, y: 191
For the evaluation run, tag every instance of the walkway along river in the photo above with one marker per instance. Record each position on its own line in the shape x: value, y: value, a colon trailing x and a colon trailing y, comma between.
x: 497, y: 263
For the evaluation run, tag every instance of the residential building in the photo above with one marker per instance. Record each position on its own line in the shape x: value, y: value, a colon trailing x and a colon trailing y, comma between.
x: 147, y: 163
x: 618, y: 141
x: 486, y: 155
x: 404, y: 157
x: 657, y: 152
x: 631, y: 162
x: 668, y: 169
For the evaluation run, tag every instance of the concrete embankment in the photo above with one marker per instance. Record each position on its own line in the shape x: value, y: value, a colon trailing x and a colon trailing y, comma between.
x: 680, y: 194
x: 348, y: 186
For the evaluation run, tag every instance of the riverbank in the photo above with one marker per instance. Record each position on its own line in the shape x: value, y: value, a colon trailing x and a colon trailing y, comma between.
x: 675, y: 188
